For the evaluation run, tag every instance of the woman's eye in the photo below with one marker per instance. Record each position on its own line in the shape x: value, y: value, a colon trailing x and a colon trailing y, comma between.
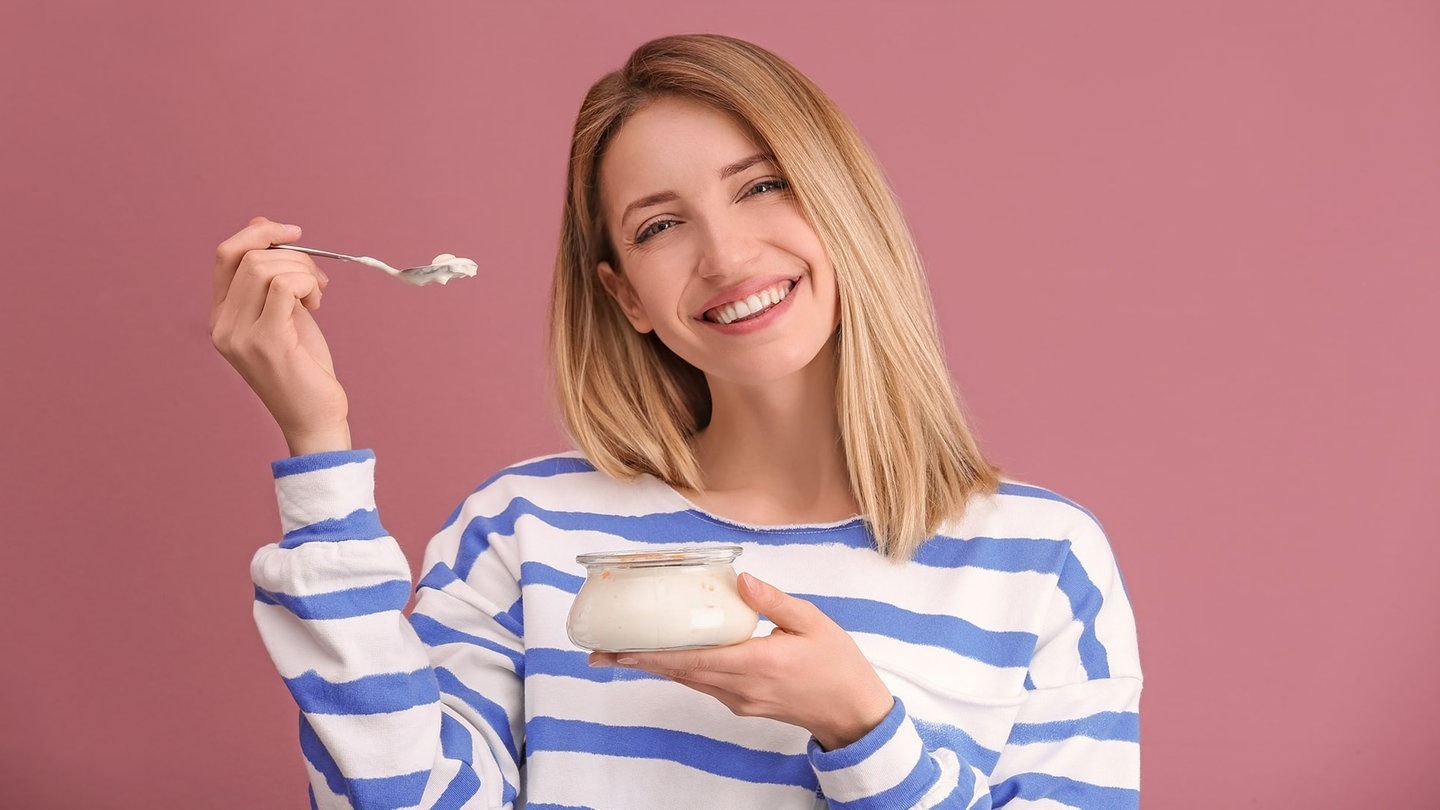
x: 653, y: 228
x: 767, y: 186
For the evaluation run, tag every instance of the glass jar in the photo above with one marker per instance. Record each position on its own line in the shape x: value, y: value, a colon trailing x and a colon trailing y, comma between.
x: 676, y: 599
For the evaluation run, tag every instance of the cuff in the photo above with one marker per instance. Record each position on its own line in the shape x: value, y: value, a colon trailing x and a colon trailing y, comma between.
x: 327, y: 497
x: 886, y: 768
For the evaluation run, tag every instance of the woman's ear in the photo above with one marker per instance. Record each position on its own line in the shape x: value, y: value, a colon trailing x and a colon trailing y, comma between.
x: 619, y: 288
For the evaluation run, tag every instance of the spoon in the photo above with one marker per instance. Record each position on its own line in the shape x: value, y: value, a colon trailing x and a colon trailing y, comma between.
x: 440, y: 270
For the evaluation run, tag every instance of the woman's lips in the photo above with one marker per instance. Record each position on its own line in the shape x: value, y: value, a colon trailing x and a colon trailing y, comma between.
x: 751, y: 305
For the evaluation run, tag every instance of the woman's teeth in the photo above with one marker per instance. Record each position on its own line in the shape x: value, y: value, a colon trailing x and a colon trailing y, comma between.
x: 752, y: 305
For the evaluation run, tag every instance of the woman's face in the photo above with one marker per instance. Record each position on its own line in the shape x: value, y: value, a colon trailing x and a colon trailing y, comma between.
x: 714, y: 255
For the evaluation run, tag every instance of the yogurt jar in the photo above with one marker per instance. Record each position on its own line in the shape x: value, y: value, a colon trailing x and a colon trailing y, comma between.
x: 676, y: 599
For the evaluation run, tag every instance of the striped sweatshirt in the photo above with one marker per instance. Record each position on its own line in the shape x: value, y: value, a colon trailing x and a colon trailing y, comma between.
x: 1007, y: 640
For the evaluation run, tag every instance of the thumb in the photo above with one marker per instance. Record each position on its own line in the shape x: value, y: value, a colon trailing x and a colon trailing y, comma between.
x: 785, y: 611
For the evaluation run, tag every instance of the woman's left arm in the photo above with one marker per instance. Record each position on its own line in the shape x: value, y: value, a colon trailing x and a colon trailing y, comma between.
x: 777, y: 676
x: 1074, y: 737
x: 810, y: 673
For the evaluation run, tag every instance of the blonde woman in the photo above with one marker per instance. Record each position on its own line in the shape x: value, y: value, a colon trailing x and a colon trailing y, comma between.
x: 745, y: 353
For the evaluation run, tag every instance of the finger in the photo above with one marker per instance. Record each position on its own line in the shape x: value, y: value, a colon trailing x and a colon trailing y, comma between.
x: 284, y: 292
x: 250, y: 288
x: 236, y: 329
x: 785, y: 611
x: 720, y: 693
x: 719, y: 662
x: 261, y: 233
x: 737, y: 693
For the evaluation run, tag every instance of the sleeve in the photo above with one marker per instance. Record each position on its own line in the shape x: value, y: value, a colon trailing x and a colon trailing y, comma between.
x: 382, y: 724
x: 1074, y: 741
x: 863, y: 775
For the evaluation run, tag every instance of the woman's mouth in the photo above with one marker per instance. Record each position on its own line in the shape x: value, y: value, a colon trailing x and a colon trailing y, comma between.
x: 752, y: 305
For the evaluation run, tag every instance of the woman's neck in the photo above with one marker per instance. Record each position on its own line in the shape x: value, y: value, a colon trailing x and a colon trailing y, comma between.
x: 772, y: 453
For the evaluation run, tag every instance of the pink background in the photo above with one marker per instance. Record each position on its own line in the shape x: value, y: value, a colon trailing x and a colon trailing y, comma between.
x: 1185, y: 260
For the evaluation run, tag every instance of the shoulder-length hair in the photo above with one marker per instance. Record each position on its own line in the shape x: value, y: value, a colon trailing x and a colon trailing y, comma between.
x: 632, y: 406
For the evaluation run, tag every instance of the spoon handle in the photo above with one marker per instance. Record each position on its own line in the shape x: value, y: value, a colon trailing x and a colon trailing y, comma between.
x: 365, y: 260
x: 317, y: 252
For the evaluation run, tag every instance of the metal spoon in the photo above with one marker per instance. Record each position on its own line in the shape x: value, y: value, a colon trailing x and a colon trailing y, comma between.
x: 442, y: 268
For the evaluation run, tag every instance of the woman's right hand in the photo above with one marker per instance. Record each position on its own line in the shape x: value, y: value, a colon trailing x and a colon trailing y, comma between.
x: 260, y: 321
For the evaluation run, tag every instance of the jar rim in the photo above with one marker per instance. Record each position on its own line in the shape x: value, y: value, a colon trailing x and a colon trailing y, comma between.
x: 662, y: 558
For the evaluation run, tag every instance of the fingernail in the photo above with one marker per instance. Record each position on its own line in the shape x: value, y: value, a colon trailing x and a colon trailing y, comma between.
x: 324, y: 279
x: 627, y: 662
x: 292, y: 228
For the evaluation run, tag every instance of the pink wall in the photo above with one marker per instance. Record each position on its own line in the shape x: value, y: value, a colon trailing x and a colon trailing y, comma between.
x: 1185, y: 258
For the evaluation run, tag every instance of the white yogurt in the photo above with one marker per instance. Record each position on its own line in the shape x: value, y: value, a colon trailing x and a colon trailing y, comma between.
x: 682, y: 599
x: 442, y: 268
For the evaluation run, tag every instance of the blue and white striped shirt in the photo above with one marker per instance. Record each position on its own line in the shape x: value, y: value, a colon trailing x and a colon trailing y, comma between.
x: 1007, y: 640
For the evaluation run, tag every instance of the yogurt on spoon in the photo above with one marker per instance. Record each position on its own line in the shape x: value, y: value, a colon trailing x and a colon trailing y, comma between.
x: 441, y: 269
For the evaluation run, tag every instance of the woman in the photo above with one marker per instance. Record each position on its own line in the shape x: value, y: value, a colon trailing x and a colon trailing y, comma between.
x: 745, y: 354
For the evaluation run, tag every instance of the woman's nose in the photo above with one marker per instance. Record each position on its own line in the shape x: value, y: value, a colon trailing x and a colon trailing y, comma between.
x: 727, y: 248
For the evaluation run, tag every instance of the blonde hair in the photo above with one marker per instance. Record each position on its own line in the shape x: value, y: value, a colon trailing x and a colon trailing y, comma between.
x: 632, y: 406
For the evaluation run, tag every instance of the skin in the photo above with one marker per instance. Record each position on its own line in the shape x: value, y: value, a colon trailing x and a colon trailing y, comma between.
x: 771, y: 454
x: 260, y: 320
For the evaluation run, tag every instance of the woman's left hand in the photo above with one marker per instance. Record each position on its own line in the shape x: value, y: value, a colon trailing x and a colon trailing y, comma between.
x: 808, y: 672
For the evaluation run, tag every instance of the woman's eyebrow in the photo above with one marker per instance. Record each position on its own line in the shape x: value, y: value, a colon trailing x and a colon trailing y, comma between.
x: 649, y: 200
x: 744, y: 163
x: 729, y: 170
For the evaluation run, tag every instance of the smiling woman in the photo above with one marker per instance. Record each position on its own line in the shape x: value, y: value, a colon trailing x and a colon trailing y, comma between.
x: 691, y: 261
x: 746, y: 357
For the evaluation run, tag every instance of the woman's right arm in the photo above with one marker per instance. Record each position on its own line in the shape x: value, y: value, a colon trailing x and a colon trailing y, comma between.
x: 383, y: 724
